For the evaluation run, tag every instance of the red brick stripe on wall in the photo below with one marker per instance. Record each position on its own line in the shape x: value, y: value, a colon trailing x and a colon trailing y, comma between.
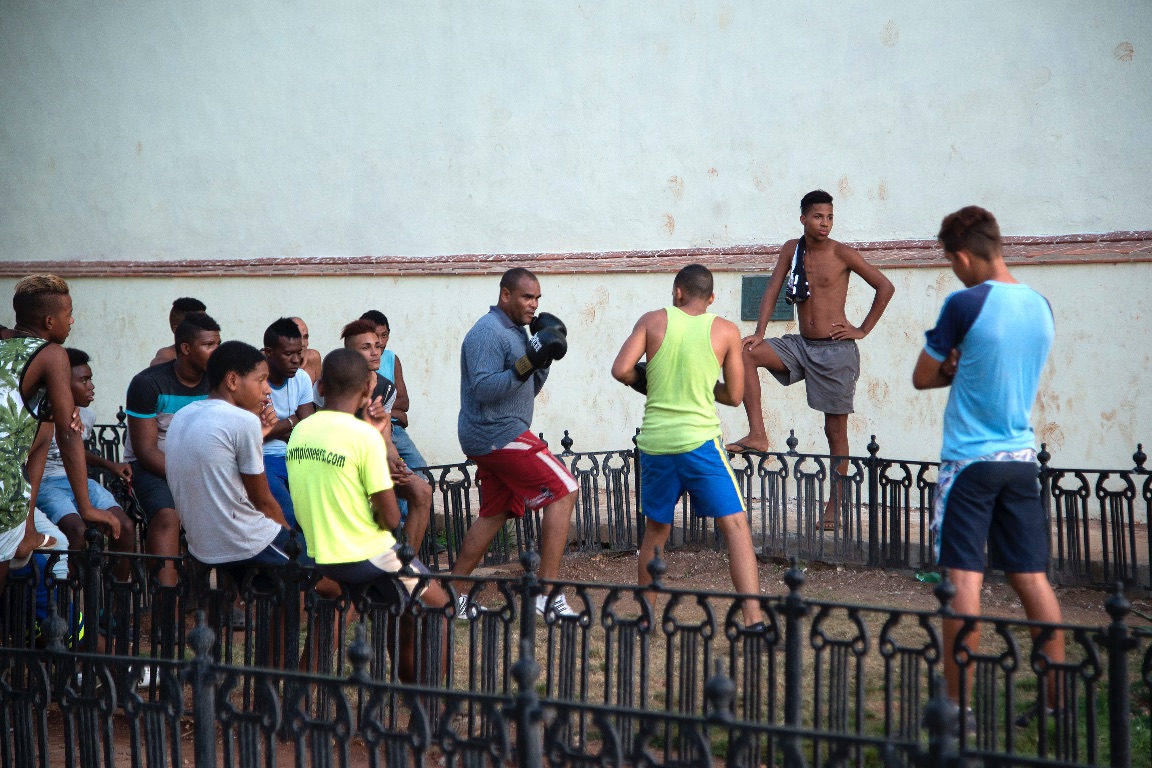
x: 1110, y: 248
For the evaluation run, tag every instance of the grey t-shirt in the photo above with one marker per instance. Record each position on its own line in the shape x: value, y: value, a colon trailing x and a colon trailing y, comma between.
x: 495, y: 405
x: 210, y: 444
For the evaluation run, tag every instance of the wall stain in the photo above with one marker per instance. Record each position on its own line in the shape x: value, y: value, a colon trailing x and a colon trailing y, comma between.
x: 676, y: 187
x: 1124, y: 51
x: 844, y: 186
x: 1108, y: 415
x: 713, y: 172
x: 882, y: 190
x: 890, y: 35
x: 669, y: 223
x: 724, y: 17
x: 1051, y: 434
x: 878, y: 391
x: 943, y: 283
x: 589, y: 311
x: 1041, y: 77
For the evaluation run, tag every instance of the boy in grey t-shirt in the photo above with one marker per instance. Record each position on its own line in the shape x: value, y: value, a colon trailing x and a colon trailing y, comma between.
x: 216, y: 471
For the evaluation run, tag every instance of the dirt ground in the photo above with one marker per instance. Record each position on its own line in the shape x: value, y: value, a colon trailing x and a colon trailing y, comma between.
x: 708, y: 570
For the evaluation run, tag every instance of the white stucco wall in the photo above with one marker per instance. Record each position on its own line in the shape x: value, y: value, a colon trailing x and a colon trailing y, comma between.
x: 1092, y: 409
x: 145, y: 130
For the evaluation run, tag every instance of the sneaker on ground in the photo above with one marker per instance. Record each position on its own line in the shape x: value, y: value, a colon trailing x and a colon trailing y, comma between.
x: 462, y: 608
x: 237, y: 619
x: 559, y: 605
x: 144, y: 676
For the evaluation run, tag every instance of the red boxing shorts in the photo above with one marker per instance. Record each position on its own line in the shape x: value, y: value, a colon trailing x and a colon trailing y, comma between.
x: 522, y: 474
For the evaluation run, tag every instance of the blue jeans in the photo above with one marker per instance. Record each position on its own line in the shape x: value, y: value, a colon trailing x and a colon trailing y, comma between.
x: 276, y: 470
x: 411, y: 455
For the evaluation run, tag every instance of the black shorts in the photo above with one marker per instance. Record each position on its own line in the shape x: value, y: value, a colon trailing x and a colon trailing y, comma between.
x: 995, y: 503
x: 151, y: 491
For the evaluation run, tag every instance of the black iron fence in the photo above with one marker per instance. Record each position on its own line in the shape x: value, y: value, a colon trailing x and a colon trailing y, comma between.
x: 882, y: 511
x: 95, y: 672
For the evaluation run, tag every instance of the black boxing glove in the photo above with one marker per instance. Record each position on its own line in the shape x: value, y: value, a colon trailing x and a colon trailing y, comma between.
x: 546, y: 346
x: 547, y: 320
x: 641, y: 383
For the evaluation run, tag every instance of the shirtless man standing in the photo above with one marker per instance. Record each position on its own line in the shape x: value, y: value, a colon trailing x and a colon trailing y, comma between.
x: 817, y: 269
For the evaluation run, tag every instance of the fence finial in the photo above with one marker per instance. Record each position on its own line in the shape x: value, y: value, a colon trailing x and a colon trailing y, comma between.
x: 56, y: 629
x: 201, y: 637
x: 720, y: 692
x: 1140, y: 457
x: 792, y: 442
x: 566, y: 443
x: 945, y: 592
x: 360, y: 652
x: 657, y: 568
x: 794, y: 577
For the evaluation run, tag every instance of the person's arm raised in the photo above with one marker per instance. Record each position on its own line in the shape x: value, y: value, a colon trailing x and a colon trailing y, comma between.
x: 624, y: 368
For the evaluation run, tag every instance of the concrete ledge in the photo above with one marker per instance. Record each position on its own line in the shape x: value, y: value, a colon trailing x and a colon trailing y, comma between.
x: 1109, y: 248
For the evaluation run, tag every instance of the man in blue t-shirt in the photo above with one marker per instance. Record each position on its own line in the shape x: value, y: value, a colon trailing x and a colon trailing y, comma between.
x: 989, y: 345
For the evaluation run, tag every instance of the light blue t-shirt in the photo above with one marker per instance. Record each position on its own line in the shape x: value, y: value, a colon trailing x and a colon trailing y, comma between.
x: 1004, y: 332
x: 387, y: 367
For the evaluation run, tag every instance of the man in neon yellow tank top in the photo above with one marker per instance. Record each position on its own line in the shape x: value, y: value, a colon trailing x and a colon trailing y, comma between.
x: 680, y: 449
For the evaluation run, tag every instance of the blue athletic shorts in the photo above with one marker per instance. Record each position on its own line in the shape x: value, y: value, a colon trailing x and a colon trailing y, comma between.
x: 56, y: 499
x: 703, y: 472
x: 998, y: 503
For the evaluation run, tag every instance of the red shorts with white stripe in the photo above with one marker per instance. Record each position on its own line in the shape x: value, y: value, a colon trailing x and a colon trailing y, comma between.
x: 522, y: 474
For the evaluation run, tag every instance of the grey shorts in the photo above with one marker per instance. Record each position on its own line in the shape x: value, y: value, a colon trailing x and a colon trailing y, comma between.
x: 829, y: 366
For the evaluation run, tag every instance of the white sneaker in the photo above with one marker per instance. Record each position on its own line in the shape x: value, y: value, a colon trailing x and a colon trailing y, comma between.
x: 145, y: 678
x: 462, y: 608
x: 559, y: 605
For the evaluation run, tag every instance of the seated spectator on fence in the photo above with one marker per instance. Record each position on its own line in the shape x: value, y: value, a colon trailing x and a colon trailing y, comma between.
x: 413, y: 492
x: 154, y: 397
x: 181, y: 308
x: 311, y: 363
x: 56, y: 499
x: 391, y: 368
x: 344, y: 496
x: 35, y: 382
x: 221, y: 493
x: 291, y: 397
x: 231, y: 519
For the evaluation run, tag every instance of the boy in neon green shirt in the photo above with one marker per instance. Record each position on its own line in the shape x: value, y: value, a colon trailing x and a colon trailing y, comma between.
x: 344, y: 497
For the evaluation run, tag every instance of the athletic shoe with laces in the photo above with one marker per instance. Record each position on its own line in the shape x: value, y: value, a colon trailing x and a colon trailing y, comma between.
x: 462, y: 608
x: 559, y: 605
